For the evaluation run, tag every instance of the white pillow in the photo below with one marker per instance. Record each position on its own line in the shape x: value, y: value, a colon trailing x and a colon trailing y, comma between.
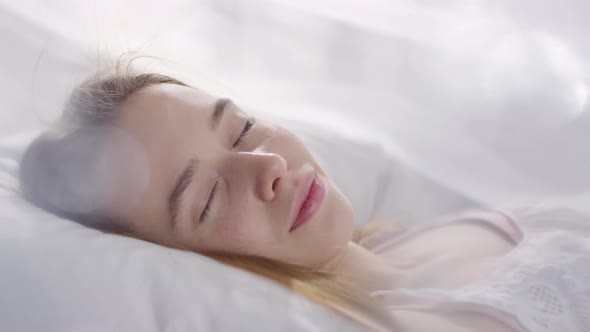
x: 60, y: 276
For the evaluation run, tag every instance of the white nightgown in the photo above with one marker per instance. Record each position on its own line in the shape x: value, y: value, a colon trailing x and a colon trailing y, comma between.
x: 541, y: 284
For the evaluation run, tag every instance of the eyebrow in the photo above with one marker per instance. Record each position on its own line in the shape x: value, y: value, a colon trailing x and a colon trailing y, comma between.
x: 185, y: 178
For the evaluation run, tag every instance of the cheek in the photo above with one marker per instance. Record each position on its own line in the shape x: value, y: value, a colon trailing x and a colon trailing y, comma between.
x: 339, y: 217
x: 280, y: 136
x: 240, y: 230
x: 346, y: 211
x: 288, y: 138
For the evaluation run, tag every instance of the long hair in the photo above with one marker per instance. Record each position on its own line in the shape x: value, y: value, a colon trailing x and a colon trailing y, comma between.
x: 94, y: 103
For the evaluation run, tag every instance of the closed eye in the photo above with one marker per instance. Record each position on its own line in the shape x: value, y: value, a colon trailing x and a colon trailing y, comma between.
x: 247, y: 127
x: 207, y: 208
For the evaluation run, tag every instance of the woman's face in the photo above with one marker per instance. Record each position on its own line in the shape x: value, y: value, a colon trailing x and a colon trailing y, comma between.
x: 193, y: 159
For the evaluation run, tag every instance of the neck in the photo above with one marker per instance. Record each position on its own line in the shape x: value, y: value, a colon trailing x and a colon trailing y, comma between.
x: 364, y: 268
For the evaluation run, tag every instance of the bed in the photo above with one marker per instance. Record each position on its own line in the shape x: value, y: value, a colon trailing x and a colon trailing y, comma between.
x: 441, y: 105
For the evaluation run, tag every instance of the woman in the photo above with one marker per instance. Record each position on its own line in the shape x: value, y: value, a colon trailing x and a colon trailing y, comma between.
x: 147, y: 156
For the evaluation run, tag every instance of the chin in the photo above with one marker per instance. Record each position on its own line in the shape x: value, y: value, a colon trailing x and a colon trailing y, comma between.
x: 341, y: 225
x: 343, y: 213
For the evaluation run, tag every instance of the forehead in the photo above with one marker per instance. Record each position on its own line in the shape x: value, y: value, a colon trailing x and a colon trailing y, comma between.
x: 165, y: 99
x: 164, y: 118
x: 169, y: 122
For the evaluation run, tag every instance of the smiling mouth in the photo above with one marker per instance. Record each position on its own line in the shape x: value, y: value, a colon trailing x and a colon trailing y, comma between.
x: 311, y: 203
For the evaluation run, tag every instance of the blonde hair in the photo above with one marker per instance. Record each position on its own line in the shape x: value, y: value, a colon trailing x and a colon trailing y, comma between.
x: 94, y: 103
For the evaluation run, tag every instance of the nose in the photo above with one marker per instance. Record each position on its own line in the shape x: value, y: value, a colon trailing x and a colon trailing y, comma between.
x: 263, y: 171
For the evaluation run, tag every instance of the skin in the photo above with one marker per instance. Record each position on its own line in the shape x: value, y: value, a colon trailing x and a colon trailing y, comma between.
x: 163, y: 127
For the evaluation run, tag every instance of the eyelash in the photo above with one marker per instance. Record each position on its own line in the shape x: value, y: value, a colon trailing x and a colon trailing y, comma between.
x: 247, y: 128
x: 209, y: 204
x: 245, y: 131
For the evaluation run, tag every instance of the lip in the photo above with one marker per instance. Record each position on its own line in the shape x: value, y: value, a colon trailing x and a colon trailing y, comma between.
x: 311, y: 193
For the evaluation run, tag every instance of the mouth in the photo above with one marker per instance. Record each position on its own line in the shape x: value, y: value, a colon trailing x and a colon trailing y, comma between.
x: 308, y: 200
